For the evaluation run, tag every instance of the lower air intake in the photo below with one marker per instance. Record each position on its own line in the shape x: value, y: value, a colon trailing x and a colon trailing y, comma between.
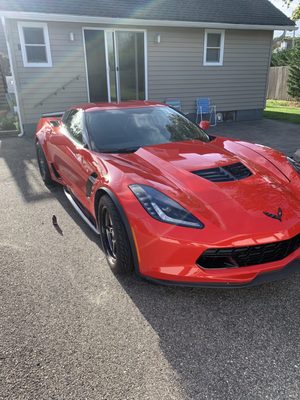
x: 236, y: 257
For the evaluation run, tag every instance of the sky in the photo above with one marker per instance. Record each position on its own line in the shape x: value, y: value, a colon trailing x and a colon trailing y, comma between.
x: 288, y: 11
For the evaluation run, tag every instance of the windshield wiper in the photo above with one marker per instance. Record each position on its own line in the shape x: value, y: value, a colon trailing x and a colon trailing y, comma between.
x: 121, y: 150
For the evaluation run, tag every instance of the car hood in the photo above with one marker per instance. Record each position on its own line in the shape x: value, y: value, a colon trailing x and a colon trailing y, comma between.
x: 169, y: 168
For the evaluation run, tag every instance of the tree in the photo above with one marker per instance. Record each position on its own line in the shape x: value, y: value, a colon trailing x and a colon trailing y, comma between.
x: 294, y: 73
x: 281, y: 58
x: 296, y: 13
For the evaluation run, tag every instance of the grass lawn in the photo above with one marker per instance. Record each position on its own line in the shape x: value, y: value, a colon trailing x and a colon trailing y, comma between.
x: 283, y: 110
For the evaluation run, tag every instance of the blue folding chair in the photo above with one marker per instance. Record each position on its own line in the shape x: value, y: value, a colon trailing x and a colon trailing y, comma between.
x: 204, y: 108
x: 174, y: 103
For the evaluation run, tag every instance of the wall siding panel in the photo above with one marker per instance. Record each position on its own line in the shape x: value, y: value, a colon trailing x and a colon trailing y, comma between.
x: 37, y: 83
x: 175, y: 69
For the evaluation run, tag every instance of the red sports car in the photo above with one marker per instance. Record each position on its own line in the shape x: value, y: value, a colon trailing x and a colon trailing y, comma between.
x: 170, y: 202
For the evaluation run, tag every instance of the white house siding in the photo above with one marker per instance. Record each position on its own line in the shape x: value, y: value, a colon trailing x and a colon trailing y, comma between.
x: 175, y: 69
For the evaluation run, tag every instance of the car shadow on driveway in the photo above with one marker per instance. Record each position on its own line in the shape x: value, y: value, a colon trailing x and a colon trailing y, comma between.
x: 58, y: 193
x: 20, y: 158
x: 227, y: 343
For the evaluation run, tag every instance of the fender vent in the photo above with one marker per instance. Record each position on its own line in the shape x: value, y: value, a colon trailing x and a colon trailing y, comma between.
x: 90, y: 183
x: 228, y: 173
x: 55, y: 172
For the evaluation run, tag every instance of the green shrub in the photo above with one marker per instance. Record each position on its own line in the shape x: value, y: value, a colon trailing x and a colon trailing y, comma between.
x: 281, y: 58
x: 294, y: 73
x: 8, y: 124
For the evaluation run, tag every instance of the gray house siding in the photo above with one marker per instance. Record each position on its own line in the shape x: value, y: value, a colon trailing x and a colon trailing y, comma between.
x: 175, y: 69
x: 35, y: 84
x: 3, y: 48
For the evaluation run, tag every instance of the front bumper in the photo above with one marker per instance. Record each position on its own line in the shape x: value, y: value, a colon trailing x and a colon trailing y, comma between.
x: 168, y: 254
x: 266, y: 277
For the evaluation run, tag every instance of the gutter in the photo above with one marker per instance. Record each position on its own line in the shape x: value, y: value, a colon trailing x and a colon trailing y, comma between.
x: 13, y: 74
x: 23, y: 15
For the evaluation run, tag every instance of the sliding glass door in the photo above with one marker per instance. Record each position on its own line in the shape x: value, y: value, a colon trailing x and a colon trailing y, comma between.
x: 131, y: 63
x: 115, y: 62
x: 96, y: 64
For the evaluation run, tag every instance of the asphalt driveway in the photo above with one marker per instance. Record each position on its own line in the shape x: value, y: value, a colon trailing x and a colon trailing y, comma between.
x: 70, y: 329
x: 280, y: 135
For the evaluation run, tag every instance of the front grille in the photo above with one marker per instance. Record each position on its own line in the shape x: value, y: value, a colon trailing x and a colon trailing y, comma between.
x: 246, y: 256
x: 228, y: 173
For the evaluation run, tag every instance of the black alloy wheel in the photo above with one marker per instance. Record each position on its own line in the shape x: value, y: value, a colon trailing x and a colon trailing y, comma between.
x: 114, y: 237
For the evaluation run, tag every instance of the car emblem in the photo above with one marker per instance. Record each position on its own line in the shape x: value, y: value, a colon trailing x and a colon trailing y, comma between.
x: 277, y: 216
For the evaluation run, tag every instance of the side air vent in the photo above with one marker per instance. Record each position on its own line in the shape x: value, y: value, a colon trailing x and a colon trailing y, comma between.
x: 54, y: 123
x: 228, y: 173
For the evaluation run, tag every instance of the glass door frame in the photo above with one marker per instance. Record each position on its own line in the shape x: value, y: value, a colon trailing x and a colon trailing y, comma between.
x: 113, y: 30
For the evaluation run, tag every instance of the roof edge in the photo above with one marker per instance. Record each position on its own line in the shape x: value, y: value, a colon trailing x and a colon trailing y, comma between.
x: 22, y: 15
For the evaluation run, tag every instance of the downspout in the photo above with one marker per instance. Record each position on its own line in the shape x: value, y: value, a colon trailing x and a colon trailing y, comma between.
x: 13, y: 75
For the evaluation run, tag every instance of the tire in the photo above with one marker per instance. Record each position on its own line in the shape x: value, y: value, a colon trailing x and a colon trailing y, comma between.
x: 43, y: 165
x: 114, y: 237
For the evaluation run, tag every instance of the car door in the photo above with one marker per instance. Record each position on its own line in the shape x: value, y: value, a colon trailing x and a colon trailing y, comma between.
x: 74, y: 161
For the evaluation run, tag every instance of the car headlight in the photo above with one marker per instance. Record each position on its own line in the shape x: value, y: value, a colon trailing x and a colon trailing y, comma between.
x: 164, y: 209
x: 294, y: 164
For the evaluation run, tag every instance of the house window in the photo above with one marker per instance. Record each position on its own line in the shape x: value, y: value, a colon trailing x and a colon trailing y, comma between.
x: 35, y: 45
x: 214, y: 47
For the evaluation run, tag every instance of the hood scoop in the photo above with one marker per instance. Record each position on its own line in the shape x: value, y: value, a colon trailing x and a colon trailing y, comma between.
x: 228, y: 173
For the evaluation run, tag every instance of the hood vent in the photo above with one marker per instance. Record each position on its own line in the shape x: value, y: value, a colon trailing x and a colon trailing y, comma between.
x: 228, y: 173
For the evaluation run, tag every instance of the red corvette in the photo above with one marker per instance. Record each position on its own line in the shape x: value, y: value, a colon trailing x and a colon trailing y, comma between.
x: 170, y: 202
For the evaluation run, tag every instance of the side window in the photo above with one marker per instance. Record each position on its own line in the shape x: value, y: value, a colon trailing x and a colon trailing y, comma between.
x: 74, y: 125
x: 35, y: 45
x: 214, y: 47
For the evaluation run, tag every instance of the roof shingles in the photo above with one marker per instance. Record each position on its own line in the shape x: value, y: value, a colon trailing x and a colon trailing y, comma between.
x: 252, y: 12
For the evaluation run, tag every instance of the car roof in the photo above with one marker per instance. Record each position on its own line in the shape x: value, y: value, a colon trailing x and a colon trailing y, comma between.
x: 88, y: 107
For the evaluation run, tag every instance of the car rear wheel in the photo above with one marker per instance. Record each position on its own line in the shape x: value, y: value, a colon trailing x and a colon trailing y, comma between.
x: 43, y: 165
x: 114, y: 237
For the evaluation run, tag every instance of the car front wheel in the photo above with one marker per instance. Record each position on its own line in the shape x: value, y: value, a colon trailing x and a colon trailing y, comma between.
x: 114, y: 237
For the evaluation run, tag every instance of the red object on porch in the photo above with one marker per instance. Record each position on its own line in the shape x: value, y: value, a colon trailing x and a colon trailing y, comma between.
x: 205, y: 125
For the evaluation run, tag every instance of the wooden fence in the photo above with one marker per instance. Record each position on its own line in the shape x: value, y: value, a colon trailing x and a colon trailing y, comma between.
x: 277, y: 86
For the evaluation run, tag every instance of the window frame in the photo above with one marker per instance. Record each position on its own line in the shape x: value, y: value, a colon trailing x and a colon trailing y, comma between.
x: 68, y: 133
x: 44, y: 26
x: 222, y: 45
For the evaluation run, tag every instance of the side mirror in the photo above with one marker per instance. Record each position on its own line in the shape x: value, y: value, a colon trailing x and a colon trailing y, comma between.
x: 296, y: 156
x: 205, y: 125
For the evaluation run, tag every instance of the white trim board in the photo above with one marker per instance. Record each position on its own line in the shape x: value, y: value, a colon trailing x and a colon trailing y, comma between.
x: 22, y: 15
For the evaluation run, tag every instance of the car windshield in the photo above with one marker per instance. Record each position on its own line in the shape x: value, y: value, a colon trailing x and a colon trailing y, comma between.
x: 128, y: 129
